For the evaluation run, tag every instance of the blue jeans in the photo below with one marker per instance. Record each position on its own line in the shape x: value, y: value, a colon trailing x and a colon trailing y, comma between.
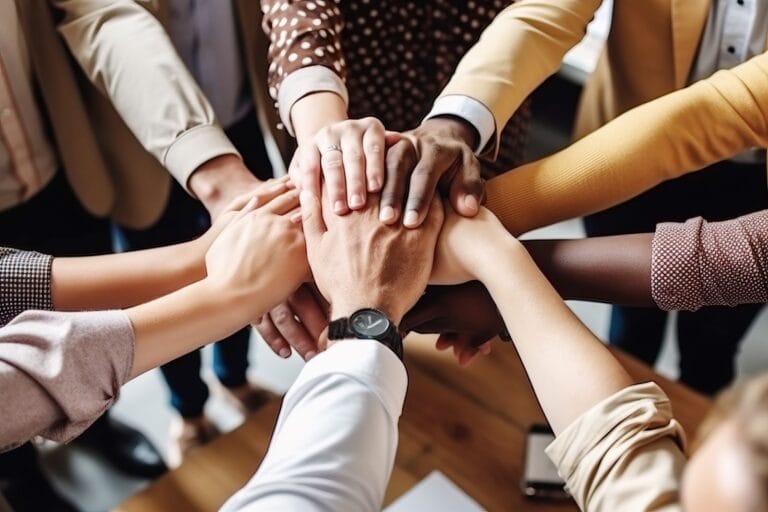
x: 184, y: 219
x: 708, y: 339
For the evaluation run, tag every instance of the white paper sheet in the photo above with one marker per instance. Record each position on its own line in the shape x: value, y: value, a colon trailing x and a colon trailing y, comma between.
x: 435, y: 492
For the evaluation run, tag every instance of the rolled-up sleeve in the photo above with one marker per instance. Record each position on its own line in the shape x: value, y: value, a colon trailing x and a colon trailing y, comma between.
x: 126, y: 53
x: 305, y: 51
x: 696, y: 263
x: 60, y: 371
x: 25, y: 282
x: 626, y: 453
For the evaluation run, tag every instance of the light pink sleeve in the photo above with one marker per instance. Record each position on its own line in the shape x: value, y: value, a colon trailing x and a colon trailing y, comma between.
x: 696, y: 263
x: 60, y: 371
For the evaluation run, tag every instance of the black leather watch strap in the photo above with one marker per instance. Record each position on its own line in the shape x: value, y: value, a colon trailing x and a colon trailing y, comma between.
x: 340, y: 329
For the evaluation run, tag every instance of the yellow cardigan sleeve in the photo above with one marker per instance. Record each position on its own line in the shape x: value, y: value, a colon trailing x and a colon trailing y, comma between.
x: 665, y: 138
x: 523, y: 46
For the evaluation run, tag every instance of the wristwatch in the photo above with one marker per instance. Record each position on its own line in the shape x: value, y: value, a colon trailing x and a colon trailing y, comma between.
x: 368, y: 324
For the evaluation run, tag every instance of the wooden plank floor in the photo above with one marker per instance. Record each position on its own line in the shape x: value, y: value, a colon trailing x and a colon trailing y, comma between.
x: 468, y: 423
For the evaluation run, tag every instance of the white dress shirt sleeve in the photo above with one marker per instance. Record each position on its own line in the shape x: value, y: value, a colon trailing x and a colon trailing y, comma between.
x: 470, y: 110
x: 334, y: 444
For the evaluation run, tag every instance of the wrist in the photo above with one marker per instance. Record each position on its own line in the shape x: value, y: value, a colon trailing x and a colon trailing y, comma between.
x: 454, y: 126
x: 220, y: 179
x: 491, y: 263
x: 315, y: 111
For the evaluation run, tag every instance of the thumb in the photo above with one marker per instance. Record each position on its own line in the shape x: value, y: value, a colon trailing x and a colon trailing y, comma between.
x: 311, y: 216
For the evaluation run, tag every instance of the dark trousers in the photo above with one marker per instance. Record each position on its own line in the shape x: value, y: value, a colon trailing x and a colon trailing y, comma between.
x: 184, y: 219
x: 52, y: 222
x: 708, y: 339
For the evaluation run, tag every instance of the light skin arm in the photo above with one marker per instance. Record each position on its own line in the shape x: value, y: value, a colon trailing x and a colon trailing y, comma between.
x: 122, y: 280
x: 243, y: 282
x: 569, y: 368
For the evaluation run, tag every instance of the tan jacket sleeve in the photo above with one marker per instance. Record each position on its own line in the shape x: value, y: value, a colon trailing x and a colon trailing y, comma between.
x: 679, y: 133
x: 126, y: 53
x: 60, y: 371
x: 626, y: 453
x: 523, y: 46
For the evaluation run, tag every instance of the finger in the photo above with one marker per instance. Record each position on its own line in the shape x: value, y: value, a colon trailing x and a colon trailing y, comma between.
x: 485, y: 348
x: 295, y: 216
x: 293, y: 331
x: 282, y: 204
x: 392, y: 138
x: 309, y: 311
x: 435, y: 163
x: 311, y: 217
x: 306, y: 169
x: 272, y: 338
x: 332, y: 163
x: 466, y: 355
x: 354, y: 168
x: 435, y: 215
x: 399, y: 162
x: 374, y: 142
x: 443, y: 342
x: 467, y: 189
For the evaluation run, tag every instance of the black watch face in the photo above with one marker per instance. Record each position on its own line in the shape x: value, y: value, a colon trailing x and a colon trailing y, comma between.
x: 369, y: 323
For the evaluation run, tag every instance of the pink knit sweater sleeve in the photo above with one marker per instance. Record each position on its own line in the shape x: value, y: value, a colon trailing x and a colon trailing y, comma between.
x: 699, y: 263
x: 60, y: 371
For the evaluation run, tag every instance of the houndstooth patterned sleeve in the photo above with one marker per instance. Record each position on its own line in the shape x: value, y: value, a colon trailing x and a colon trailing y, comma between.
x: 25, y: 282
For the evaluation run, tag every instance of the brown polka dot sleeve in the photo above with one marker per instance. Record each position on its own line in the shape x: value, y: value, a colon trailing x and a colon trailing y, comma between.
x: 305, y: 52
x: 697, y: 263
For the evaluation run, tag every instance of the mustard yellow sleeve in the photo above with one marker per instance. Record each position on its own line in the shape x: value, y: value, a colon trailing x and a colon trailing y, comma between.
x: 679, y: 133
x: 523, y: 46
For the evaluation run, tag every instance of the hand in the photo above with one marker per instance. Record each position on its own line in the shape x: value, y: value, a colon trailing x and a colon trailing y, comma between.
x: 299, y: 323
x: 445, y: 161
x: 349, y: 155
x: 463, y: 245
x: 260, y: 252
x: 220, y: 180
x: 358, y: 262
x: 465, y: 316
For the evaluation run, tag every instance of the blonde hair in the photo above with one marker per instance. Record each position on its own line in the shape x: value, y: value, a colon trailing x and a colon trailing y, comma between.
x: 746, y: 404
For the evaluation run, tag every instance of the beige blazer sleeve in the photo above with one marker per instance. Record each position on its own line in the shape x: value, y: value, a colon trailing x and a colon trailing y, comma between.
x: 126, y: 53
x: 60, y: 371
x: 523, y: 46
x: 626, y: 453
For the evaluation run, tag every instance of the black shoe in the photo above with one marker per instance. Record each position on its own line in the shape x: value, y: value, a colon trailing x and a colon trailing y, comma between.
x: 24, y: 485
x: 124, y: 447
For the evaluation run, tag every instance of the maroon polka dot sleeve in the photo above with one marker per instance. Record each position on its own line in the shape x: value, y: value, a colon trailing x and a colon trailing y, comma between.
x: 697, y: 263
x: 302, y: 34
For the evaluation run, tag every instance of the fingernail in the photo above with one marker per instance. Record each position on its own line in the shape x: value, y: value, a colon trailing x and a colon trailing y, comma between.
x: 411, y: 218
x: 310, y: 355
x: 285, y: 353
x: 296, y: 218
x: 470, y: 202
x: 373, y: 185
x: 338, y: 207
x: 356, y: 201
x: 387, y: 214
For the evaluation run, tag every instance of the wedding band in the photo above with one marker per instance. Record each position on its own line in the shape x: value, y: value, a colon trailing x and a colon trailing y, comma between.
x: 332, y: 147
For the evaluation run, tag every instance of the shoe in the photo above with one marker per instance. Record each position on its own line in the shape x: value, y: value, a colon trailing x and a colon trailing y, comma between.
x: 34, y: 493
x: 187, y: 435
x: 124, y: 447
x: 246, y: 399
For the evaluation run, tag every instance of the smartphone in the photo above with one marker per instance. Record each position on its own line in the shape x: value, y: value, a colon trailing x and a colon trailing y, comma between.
x: 540, y: 478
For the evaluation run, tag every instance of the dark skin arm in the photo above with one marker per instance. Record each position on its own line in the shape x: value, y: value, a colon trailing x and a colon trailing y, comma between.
x: 614, y: 269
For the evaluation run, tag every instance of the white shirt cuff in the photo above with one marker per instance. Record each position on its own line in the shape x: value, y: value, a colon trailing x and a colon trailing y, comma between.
x: 470, y: 110
x: 306, y: 81
x: 366, y: 361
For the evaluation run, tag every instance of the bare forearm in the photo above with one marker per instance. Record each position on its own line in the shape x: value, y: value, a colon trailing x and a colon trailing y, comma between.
x: 611, y: 269
x: 183, y: 321
x: 315, y: 111
x: 569, y: 368
x: 118, y: 281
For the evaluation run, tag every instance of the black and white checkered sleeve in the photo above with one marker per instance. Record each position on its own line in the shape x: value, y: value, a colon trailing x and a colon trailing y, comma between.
x: 25, y: 282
